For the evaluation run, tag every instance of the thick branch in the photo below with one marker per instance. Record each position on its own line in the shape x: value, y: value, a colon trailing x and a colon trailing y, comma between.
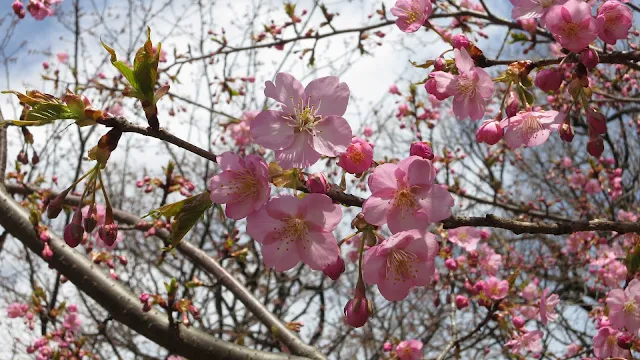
x: 210, y: 265
x: 118, y: 300
x: 3, y: 151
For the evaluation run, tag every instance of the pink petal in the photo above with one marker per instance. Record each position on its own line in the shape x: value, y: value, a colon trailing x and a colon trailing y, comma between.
x: 286, y: 90
x: 513, y: 139
x: 394, y: 290
x: 383, y: 181
x: 281, y: 257
x: 270, y: 130
x: 240, y: 209
x: 375, y: 210
x: 418, y: 171
x: 220, y: 187
x: 280, y: 207
x: 464, y: 62
x: 373, y: 266
x: 318, y: 249
x: 485, y: 84
x: 399, y: 220
x: 257, y: 165
x: 464, y: 107
x: 331, y: 136
x: 259, y: 224
x: 437, y: 205
x: 300, y: 154
x: 230, y: 161
x: 538, y: 138
x: 445, y: 82
x: 321, y: 212
x: 566, y: 15
x: 329, y: 96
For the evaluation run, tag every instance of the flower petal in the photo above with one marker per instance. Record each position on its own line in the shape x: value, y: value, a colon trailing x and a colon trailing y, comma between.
x: 328, y: 95
x: 437, y: 205
x: 375, y: 210
x: 230, y: 161
x: 271, y: 130
x: 281, y: 257
x: 300, y: 154
x: 260, y: 224
x: 331, y: 136
x: 318, y: 249
x: 286, y: 90
x: 383, y: 181
x: 321, y: 212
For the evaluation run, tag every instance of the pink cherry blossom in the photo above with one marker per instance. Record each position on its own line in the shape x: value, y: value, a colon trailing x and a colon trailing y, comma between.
x: 358, y: 157
x: 466, y: 237
x: 41, y: 9
x: 592, y: 186
x: 16, y: 310
x: 624, y: 307
x: 115, y: 109
x: 409, y: 350
x: 548, y: 307
x: 495, y: 288
x: 243, y: 184
x: 531, y: 9
x: 490, y: 132
x: 572, y: 350
x: 489, y: 261
x: 529, y: 342
x: 605, y: 344
x: 310, y: 123
x: 291, y: 230
x: 241, y: 131
x: 72, y: 321
x: 411, y: 14
x: 401, y: 262
x: 614, y: 21
x: 368, y: 131
x: 530, y: 291
x: 63, y: 57
x: 393, y: 89
x: 572, y: 24
x: 530, y: 128
x: 470, y: 89
x: 404, y: 197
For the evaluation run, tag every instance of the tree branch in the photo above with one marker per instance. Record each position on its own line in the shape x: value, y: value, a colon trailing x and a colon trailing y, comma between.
x: 118, y: 300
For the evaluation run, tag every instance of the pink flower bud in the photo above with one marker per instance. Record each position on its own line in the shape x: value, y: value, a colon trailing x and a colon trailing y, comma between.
x: 108, y: 233
x: 17, y: 7
x: 597, y: 122
x: 595, y: 146
x: 484, y: 234
x: 368, y: 131
x: 439, y: 64
x: 357, y: 312
x: 490, y: 132
x: 358, y: 157
x: 518, y: 322
x: 72, y: 308
x: 513, y: 105
x: 144, y: 297
x: 451, y: 264
x: 387, y: 347
x: 46, y: 252
x: 335, y: 269
x: 461, y: 302
x: 460, y: 41
x: 548, y: 80
x: 73, y: 232
x: 566, y: 132
x: 91, y: 220
x: 589, y: 58
x: 393, y: 89
x: 422, y: 149
x: 317, y: 183
x: 625, y: 341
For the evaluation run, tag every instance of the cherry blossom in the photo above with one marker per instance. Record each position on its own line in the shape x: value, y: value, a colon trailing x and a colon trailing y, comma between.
x: 403, y: 196
x: 530, y: 128
x: 358, y: 157
x: 411, y: 14
x: 470, y: 89
x: 605, y: 344
x: 310, y: 123
x: 291, y: 230
x: 614, y: 21
x: 624, y: 307
x: 409, y: 350
x: 529, y: 342
x: 401, y: 262
x: 531, y: 9
x: 243, y: 184
x: 572, y: 24
x: 495, y: 289
x: 466, y: 237
x: 548, y: 307
x: 241, y: 131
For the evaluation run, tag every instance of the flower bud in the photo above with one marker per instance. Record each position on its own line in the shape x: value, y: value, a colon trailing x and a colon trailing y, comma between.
x: 566, y: 132
x: 597, y: 122
x: 144, y: 297
x: 460, y: 41
x: 461, y: 302
x: 108, y: 233
x: 357, y: 312
x: 513, y: 105
x: 46, y: 252
x: 387, y: 347
x: 625, y: 341
x: 518, y: 322
x: 55, y: 206
x: 358, y: 157
x: 23, y: 157
x: 393, y: 89
x: 91, y: 220
x: 73, y: 232
x: 439, y: 64
x: 589, y: 58
x: 18, y: 9
x: 422, y: 149
x: 317, y: 183
x: 335, y: 269
x: 595, y: 146
x: 490, y: 132
x: 451, y: 264
x: 548, y: 80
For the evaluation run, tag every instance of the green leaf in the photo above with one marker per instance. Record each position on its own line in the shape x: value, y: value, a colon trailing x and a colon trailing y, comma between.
x: 185, y: 212
x: 124, y: 69
x: 145, y: 67
x: 426, y: 65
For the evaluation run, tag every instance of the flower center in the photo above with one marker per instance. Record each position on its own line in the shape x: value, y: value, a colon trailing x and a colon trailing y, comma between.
x: 304, y: 117
x: 413, y: 15
x: 401, y: 264
x: 294, y: 228
x: 611, y: 22
x: 405, y: 200
x: 629, y: 307
x: 356, y: 155
x: 529, y: 126
x: 243, y: 185
x: 466, y: 85
x: 571, y: 30
x: 612, y: 341
x: 463, y: 237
